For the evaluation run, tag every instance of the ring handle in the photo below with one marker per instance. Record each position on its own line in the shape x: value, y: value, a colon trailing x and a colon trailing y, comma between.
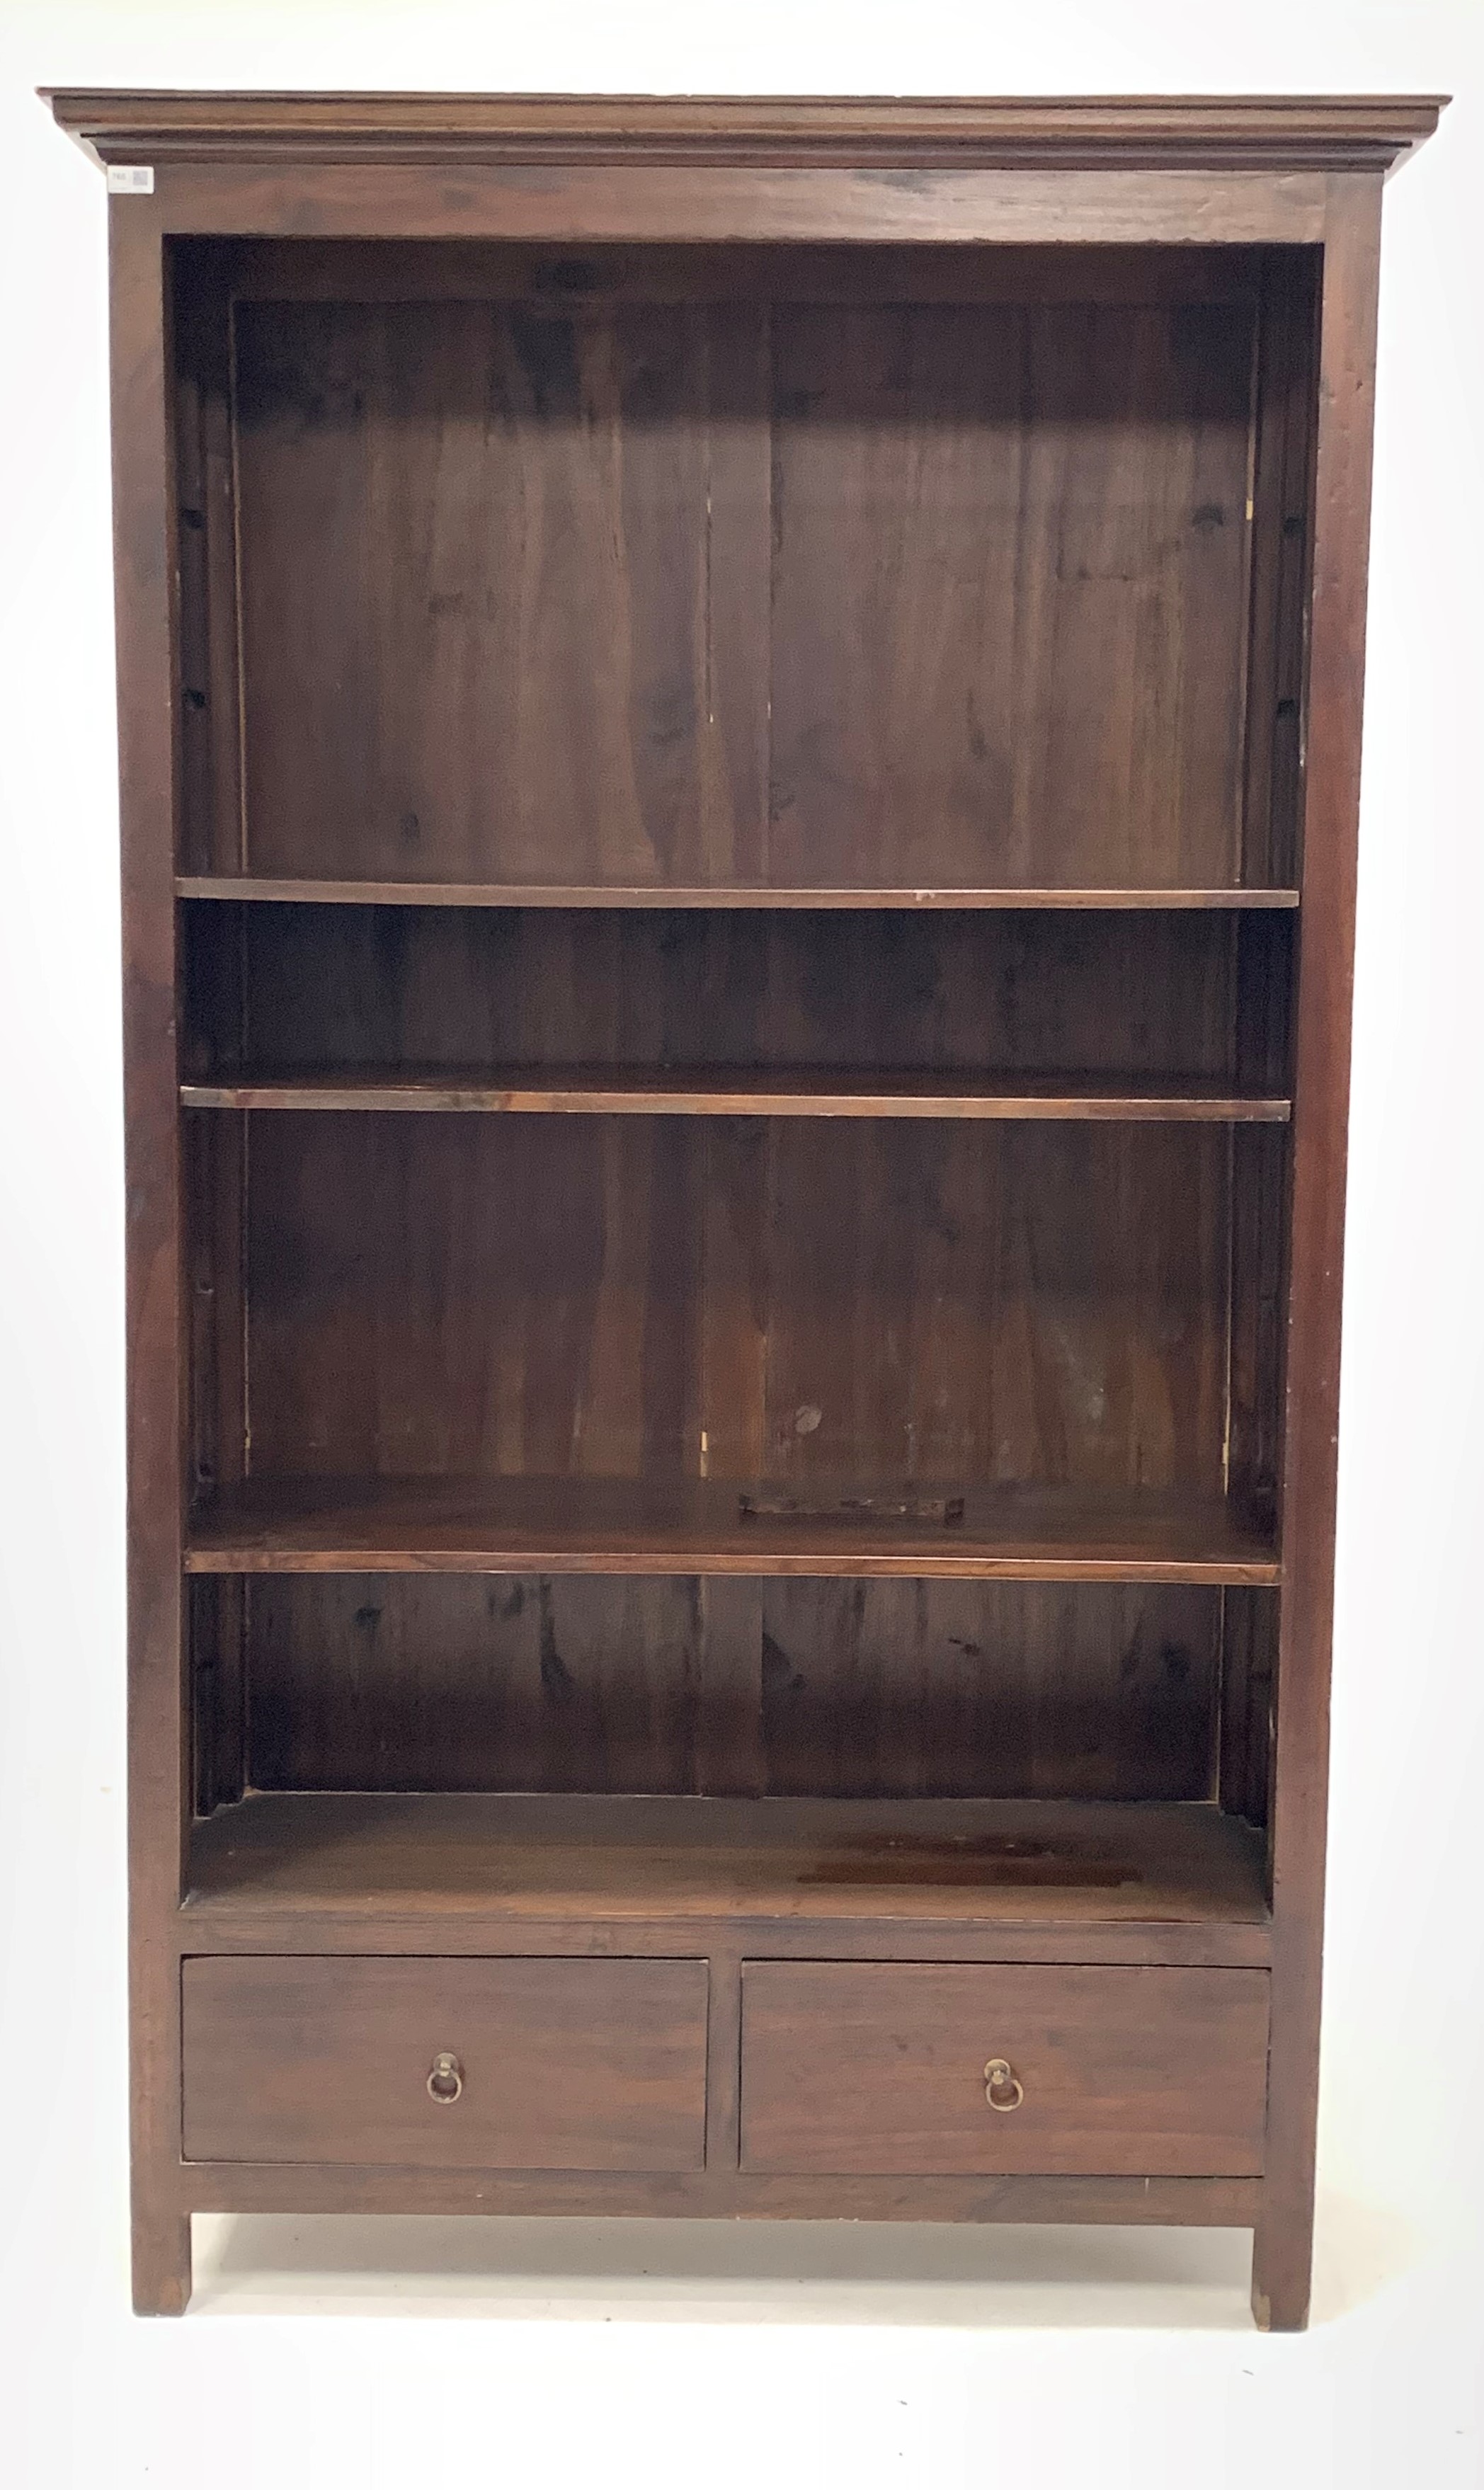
x: 1002, y: 2087
x: 445, y: 2079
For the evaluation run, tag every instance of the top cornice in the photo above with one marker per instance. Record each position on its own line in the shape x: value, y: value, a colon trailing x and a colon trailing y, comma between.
x: 1259, y: 133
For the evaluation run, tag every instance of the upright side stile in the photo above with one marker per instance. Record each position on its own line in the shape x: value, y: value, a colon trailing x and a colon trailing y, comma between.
x: 159, y: 1746
x: 1321, y: 1107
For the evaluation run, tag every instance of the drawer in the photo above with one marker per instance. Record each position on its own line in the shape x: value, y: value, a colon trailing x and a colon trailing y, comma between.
x: 881, y: 2066
x: 558, y: 2065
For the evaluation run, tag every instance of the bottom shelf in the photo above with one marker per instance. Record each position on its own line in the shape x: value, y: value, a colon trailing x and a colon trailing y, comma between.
x: 959, y: 1860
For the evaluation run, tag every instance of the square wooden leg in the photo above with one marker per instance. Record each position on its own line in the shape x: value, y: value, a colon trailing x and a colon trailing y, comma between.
x: 162, y: 2262
x: 1282, y: 2259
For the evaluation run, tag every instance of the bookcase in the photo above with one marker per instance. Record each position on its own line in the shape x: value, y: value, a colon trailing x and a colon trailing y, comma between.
x: 740, y: 733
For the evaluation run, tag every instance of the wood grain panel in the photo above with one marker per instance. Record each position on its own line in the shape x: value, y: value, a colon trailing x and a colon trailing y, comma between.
x: 910, y: 1688
x: 540, y: 524
x: 997, y: 1304
x: 443, y: 1683
x: 1106, y: 995
x: 994, y: 1690
x: 732, y: 201
x: 563, y: 644
x: 303, y: 270
x: 565, y: 2066
x: 881, y: 2066
x: 989, y: 1304
x: 465, y: 1295
x: 1008, y: 593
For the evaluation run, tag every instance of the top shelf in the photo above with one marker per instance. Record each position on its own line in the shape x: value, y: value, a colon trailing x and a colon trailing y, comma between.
x: 490, y: 894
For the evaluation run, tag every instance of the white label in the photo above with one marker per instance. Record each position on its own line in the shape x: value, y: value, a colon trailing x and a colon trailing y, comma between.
x: 134, y: 178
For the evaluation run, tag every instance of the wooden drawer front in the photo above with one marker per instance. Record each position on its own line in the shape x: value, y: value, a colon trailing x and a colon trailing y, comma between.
x: 565, y: 2065
x: 879, y: 2066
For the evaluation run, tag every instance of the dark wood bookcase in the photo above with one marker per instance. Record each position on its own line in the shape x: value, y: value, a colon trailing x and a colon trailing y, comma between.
x: 739, y: 738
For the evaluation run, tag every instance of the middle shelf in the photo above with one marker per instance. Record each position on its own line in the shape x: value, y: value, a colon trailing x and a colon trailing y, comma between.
x: 607, y: 1526
x: 667, y: 1090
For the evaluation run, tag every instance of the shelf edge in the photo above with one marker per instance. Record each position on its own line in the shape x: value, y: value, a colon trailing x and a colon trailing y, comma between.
x: 305, y: 893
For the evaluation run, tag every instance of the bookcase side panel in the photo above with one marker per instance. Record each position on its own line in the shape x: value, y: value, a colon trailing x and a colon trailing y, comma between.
x: 1322, y: 1097
x: 149, y: 774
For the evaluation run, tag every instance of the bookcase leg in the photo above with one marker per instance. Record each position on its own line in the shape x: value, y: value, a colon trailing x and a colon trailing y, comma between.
x: 1282, y: 2256
x: 161, y: 2261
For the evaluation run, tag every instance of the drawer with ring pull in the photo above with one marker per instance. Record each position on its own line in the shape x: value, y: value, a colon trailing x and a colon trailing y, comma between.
x: 923, y: 2068
x: 446, y: 2063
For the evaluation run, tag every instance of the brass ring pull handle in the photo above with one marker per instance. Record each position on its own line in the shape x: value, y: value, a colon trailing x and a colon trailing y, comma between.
x: 1002, y: 2087
x: 445, y: 2079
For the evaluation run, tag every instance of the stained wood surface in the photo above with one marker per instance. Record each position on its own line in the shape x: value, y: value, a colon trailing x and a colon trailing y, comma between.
x: 604, y: 1858
x: 1161, y: 1001
x: 881, y: 2066
x: 723, y: 2194
x: 930, y: 717
x: 360, y: 199
x: 1255, y: 132
x: 144, y: 542
x: 838, y: 1687
x: 1341, y: 492
x: 565, y: 2066
x: 362, y: 891
x: 256, y: 269
x: 865, y: 1303
x: 553, y: 522
x: 587, y: 1091
x: 595, y: 1526
x: 628, y: 596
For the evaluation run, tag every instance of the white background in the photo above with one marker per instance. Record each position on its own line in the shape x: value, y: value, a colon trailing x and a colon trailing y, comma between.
x: 774, y: 2355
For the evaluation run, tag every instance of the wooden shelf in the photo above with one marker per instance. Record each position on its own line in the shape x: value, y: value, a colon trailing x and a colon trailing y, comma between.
x: 487, y: 894
x: 587, y: 1525
x: 975, y: 1859
x: 607, y: 1090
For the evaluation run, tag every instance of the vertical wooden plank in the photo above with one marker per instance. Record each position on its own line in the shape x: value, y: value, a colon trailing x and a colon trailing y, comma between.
x: 1321, y: 1106
x: 217, y: 1652
x: 198, y: 854
x: 1263, y: 956
x: 224, y: 684
x: 1248, y: 1654
x: 205, y: 518
x: 158, y: 1753
x: 729, y: 1709
x: 1260, y: 1174
x: 1283, y: 451
x: 732, y: 758
x: 1285, y: 788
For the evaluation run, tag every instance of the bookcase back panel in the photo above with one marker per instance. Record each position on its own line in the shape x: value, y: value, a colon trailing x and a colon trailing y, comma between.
x: 772, y: 1687
x: 487, y: 552
x: 854, y: 1301
x: 754, y: 591
x: 1156, y: 995
x: 1008, y: 593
